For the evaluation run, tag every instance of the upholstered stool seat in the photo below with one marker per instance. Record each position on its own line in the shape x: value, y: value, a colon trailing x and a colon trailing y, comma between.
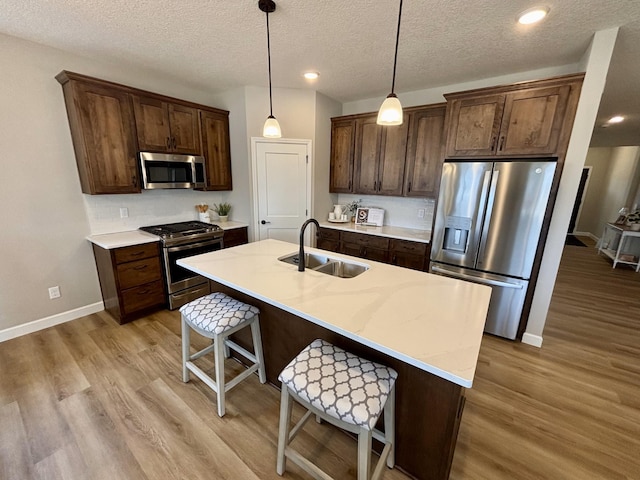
x: 217, y: 316
x: 344, y: 390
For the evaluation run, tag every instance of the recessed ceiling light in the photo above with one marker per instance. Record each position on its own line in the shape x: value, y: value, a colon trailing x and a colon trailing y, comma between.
x: 311, y: 75
x: 616, y: 119
x: 533, y: 15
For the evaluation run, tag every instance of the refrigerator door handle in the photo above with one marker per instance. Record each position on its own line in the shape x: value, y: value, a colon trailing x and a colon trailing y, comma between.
x: 487, y: 217
x: 480, y: 214
x: 484, y: 281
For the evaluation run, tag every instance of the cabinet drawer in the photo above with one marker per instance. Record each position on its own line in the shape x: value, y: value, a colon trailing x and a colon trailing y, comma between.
x: 370, y: 253
x: 143, y: 296
x: 407, y: 260
x: 132, y: 274
x: 407, y: 246
x: 329, y: 234
x: 136, y: 252
x: 236, y: 236
x: 365, y: 240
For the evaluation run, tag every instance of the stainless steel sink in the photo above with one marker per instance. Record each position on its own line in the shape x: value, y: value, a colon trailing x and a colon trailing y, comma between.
x: 328, y: 265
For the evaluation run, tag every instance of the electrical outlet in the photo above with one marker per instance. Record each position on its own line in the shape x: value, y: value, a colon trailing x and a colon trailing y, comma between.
x: 54, y: 292
x: 421, y: 213
x: 124, y: 212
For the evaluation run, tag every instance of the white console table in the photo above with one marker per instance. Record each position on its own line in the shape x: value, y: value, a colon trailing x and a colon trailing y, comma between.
x: 621, y: 244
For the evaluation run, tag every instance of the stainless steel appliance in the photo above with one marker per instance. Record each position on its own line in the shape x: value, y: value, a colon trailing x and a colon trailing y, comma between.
x: 161, y: 170
x: 488, y: 223
x: 180, y: 240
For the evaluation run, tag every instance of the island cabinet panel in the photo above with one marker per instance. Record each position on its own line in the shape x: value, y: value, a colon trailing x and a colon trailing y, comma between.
x: 103, y: 133
x: 424, y: 152
x: 166, y: 127
x: 131, y: 280
x: 428, y: 407
x: 528, y: 119
x: 216, y: 149
x: 235, y: 237
x: 341, y: 164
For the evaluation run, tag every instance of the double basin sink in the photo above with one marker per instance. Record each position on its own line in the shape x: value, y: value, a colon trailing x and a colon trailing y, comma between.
x: 324, y: 264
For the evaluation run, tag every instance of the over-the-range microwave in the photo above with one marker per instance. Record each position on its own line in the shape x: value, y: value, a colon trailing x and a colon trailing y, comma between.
x: 165, y: 170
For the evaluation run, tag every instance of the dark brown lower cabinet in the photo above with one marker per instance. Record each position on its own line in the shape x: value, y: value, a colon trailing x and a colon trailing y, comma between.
x: 236, y: 236
x: 131, y: 280
x: 403, y: 253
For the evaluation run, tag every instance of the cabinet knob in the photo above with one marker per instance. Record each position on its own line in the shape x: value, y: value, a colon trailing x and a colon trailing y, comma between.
x: 409, y: 187
x: 134, y: 180
x: 168, y: 143
x: 493, y: 143
x: 501, y: 143
x: 173, y: 142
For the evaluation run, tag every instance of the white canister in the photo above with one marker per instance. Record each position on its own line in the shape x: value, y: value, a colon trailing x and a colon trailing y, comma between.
x: 204, y: 217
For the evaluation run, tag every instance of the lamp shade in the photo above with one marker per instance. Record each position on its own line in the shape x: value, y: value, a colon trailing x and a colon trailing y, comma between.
x: 390, y: 112
x: 271, y: 128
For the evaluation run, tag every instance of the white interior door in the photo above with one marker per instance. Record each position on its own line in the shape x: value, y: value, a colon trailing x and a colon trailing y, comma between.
x: 282, y: 193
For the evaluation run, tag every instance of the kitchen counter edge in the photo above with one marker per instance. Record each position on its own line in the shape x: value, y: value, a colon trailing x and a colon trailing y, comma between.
x: 399, y: 233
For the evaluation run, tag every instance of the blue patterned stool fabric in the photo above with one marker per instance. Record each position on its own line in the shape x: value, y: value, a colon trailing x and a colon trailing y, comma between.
x: 215, y: 313
x: 340, y: 383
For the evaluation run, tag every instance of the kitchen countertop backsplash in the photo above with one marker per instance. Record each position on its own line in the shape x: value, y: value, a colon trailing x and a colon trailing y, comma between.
x: 398, y: 211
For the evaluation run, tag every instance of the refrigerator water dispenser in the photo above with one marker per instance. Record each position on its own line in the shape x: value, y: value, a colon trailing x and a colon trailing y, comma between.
x: 456, y: 233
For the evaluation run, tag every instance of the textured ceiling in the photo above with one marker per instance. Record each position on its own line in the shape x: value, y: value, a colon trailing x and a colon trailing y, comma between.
x: 216, y: 44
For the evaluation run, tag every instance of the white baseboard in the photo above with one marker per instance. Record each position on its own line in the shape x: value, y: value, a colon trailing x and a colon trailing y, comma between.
x: 586, y: 234
x: 530, y: 339
x: 41, y: 324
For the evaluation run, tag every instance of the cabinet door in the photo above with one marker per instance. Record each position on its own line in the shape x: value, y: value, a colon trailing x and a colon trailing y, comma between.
x: 474, y: 124
x: 532, y: 121
x: 342, y: 144
x: 103, y: 136
x: 152, y: 123
x: 393, y: 151
x: 185, y: 129
x: 367, y: 155
x: 424, y: 153
x: 216, y: 150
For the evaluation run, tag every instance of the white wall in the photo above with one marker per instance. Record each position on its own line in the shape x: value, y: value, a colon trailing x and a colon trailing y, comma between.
x: 589, y: 221
x: 325, y: 109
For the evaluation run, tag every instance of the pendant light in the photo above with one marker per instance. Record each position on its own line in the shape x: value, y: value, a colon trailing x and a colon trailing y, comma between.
x: 390, y: 112
x: 271, y: 126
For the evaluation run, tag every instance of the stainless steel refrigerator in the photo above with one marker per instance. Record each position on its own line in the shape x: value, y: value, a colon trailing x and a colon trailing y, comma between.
x: 488, y: 223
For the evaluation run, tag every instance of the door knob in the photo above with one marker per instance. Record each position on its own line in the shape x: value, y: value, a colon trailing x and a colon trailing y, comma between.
x: 264, y: 222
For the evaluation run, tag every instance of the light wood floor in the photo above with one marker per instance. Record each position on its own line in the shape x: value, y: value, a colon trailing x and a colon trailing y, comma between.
x: 90, y: 399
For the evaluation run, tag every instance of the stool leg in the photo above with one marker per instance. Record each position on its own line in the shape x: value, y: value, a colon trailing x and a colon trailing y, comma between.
x: 218, y: 352
x: 257, y: 348
x: 364, y: 454
x: 283, y: 430
x: 185, y: 349
x: 390, y: 426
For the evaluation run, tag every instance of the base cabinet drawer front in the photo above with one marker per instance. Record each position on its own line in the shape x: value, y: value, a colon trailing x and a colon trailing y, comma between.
x: 142, y: 297
x: 365, y: 240
x: 369, y: 253
x: 235, y: 237
x: 406, y: 246
x: 407, y: 260
x: 137, y: 252
x: 329, y: 234
x: 136, y: 273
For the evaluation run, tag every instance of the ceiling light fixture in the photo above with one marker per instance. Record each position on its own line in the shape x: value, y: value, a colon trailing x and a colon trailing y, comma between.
x: 616, y: 119
x: 271, y: 126
x: 533, y: 15
x: 390, y: 112
x: 311, y: 75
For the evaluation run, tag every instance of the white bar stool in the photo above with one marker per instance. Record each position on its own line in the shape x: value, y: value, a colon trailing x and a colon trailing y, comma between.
x: 216, y: 316
x: 344, y: 390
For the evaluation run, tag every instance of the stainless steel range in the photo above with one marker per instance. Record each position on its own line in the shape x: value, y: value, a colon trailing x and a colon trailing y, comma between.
x: 180, y: 240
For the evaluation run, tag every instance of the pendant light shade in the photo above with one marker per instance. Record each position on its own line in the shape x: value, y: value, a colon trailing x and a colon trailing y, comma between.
x: 271, y: 127
x: 390, y: 112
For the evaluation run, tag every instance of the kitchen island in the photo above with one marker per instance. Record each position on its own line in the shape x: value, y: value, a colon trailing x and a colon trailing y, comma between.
x: 429, y: 328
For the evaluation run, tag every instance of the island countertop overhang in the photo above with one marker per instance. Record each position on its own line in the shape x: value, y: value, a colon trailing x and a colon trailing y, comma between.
x: 431, y: 322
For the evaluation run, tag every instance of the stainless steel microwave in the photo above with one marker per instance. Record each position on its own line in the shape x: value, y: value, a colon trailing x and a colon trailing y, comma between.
x: 162, y: 170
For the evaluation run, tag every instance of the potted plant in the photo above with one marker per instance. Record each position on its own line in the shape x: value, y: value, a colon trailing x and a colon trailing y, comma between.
x: 351, y: 207
x: 222, y: 210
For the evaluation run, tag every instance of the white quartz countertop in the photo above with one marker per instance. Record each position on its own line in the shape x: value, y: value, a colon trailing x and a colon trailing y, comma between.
x: 229, y: 225
x: 122, y: 239
x: 401, y: 233
x: 432, y: 322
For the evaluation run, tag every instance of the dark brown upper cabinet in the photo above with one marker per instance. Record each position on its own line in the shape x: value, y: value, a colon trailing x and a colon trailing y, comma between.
x: 424, y: 151
x: 216, y: 148
x: 342, y: 146
x: 166, y: 127
x: 379, y: 157
x: 528, y: 119
x: 103, y: 133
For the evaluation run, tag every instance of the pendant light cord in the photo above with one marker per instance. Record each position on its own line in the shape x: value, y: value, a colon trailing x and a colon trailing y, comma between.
x: 395, y: 58
x: 269, y: 59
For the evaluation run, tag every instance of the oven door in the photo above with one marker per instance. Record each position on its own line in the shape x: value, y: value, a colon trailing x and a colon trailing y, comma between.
x: 179, y: 278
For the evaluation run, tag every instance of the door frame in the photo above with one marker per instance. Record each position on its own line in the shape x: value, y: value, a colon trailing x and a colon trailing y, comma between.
x: 254, y: 177
x: 589, y: 169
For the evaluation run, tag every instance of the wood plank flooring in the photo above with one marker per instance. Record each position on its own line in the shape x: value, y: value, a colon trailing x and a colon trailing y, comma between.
x: 91, y: 399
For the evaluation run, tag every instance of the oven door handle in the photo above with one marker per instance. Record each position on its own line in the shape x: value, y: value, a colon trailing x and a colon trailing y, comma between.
x: 181, y: 248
